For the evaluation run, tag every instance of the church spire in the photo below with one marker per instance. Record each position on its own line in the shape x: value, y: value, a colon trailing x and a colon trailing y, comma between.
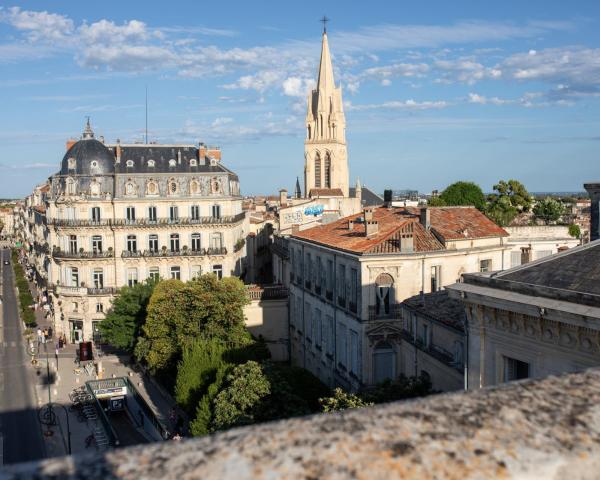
x: 87, y: 132
x: 325, y: 83
x: 298, y: 192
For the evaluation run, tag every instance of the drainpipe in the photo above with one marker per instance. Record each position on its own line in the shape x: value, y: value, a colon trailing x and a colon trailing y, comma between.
x: 466, y: 353
x: 422, y: 278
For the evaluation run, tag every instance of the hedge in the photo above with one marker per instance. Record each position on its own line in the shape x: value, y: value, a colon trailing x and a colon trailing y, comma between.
x: 25, y: 298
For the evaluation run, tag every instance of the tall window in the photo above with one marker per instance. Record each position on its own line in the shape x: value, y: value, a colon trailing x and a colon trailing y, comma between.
x: 318, y: 171
x: 98, y: 278
x: 330, y: 275
x: 341, y: 282
x: 329, y: 334
x: 195, y: 271
x: 308, y: 320
x: 318, y: 328
x: 383, y: 293
x: 218, y: 271
x: 173, y: 213
x: 99, y: 309
x: 353, y: 289
x: 153, y: 242
x: 195, y: 212
x: 384, y: 362
x: 353, y: 352
x: 132, y: 276
x: 196, y: 242
x: 96, y: 244
x: 70, y: 186
x: 95, y: 214
x: 130, y: 214
x: 342, y: 344
x: 152, y: 214
x: 176, y: 273
x: 154, y: 273
x: 73, y: 243
x: 131, y: 243
x: 216, y: 211
x: 327, y: 171
x: 74, y: 276
x: 174, y: 242
x: 216, y: 240
x: 436, y: 278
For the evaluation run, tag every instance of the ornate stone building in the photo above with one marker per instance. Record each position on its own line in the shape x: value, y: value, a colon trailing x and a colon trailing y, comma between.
x: 118, y: 214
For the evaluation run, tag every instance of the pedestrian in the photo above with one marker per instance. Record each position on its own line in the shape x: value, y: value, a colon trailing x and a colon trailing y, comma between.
x: 56, y: 354
x: 40, y: 335
x: 50, y: 332
x: 45, y: 335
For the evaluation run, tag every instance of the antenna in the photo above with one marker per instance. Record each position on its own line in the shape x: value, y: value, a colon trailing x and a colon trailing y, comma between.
x: 146, y: 113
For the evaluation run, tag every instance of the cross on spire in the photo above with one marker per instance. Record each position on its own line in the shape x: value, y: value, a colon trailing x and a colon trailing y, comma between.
x: 324, y: 20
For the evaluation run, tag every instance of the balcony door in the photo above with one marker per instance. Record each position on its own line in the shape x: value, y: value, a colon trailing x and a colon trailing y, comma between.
x: 384, y: 290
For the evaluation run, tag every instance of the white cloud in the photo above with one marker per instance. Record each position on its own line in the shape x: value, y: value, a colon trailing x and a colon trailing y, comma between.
x: 400, y: 105
x: 482, y: 100
x: 38, y: 25
x: 297, y: 87
x: 465, y: 70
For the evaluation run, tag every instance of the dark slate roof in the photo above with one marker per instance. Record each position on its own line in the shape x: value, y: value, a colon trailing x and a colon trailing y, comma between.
x: 368, y: 197
x: 85, y: 152
x: 141, y: 154
x: 572, y: 276
x: 440, y: 307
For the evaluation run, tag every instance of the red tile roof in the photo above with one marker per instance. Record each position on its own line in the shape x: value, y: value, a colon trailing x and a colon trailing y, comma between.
x: 326, y: 192
x: 447, y: 223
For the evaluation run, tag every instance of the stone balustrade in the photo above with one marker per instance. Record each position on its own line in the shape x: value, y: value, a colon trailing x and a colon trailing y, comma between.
x: 546, y: 429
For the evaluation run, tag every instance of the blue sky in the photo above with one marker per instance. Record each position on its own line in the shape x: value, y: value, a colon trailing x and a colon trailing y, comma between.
x: 434, y: 91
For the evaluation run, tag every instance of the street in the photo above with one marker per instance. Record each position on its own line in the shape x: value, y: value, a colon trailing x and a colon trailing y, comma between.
x: 20, y: 433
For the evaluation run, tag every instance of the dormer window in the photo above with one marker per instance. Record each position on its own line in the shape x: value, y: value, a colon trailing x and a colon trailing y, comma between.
x: 193, y: 162
x: 94, y: 164
x: 213, y: 162
x: 129, y: 163
x: 151, y: 163
x: 172, y: 162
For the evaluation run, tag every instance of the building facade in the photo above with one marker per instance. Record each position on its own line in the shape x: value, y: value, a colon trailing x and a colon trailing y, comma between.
x: 118, y: 214
x: 349, y: 277
x: 533, y: 242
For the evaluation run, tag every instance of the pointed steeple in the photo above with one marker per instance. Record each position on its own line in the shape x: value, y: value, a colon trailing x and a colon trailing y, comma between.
x: 298, y: 192
x: 325, y: 83
x: 87, y: 132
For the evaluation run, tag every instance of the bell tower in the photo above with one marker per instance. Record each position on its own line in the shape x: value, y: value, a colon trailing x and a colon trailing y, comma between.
x: 325, y: 155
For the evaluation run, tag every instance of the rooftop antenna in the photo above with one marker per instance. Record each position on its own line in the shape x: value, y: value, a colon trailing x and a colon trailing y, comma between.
x: 324, y: 20
x: 146, y: 113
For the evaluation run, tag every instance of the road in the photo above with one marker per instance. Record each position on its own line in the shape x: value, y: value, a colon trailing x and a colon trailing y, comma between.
x: 20, y: 433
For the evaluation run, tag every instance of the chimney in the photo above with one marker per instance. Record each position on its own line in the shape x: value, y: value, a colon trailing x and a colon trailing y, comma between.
x: 368, y: 214
x: 407, y: 242
x: 387, y: 198
x: 295, y: 228
x: 371, y: 227
x: 214, y: 152
x: 201, y: 153
x: 350, y: 224
x: 118, y: 151
x: 426, y: 217
x: 593, y: 190
x: 283, y: 197
x: 70, y: 143
x: 526, y: 255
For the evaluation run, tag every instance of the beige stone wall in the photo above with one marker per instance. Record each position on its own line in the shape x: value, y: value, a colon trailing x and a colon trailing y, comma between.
x: 269, y: 319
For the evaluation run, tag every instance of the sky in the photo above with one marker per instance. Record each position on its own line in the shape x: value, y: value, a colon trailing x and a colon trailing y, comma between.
x: 434, y: 92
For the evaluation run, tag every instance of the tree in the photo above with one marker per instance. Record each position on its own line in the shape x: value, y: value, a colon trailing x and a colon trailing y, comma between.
x: 236, y: 403
x: 180, y: 312
x: 203, y: 423
x: 342, y: 400
x: 462, y: 193
x: 400, y: 389
x: 575, y: 230
x: 549, y: 210
x: 124, y: 320
x: 510, y: 199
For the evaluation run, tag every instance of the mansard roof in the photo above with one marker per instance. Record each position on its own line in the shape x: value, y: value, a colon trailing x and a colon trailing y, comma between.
x: 440, y: 307
x: 447, y: 223
x: 368, y: 197
x: 84, y: 152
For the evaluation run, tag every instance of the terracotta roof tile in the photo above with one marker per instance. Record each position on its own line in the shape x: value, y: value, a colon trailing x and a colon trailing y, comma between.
x: 326, y: 192
x: 447, y: 223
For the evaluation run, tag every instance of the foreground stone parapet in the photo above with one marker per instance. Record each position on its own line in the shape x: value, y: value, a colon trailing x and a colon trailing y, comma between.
x: 533, y: 429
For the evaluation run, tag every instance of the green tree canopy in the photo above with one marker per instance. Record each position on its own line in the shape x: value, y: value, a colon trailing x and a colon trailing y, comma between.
x: 549, y: 210
x: 124, y: 320
x: 575, y: 230
x: 510, y: 198
x: 342, y: 400
x: 462, y: 193
x: 180, y: 312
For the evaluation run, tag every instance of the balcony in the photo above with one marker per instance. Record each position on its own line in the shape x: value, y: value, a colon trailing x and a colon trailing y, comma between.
x: 82, y: 255
x: 391, y: 313
x: 267, y: 292
x: 102, y: 291
x: 144, y: 222
x: 213, y: 251
x: 56, y: 222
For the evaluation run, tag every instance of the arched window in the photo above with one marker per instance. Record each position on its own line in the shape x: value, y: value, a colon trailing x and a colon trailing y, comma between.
x: 193, y: 162
x: 151, y: 163
x: 173, y: 187
x: 318, y: 171
x: 384, y: 362
x: 71, y: 163
x: 129, y: 163
x: 321, y: 123
x: 384, y: 284
x: 194, y: 187
x: 308, y: 131
x: 327, y: 170
x: 172, y: 162
x: 174, y: 242
x: 152, y: 188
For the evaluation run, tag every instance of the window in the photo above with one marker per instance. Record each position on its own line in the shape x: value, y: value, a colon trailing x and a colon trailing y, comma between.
x: 458, y: 355
x: 327, y: 171
x: 154, y: 273
x: 72, y: 243
x: 151, y: 163
x: 176, y: 273
x: 152, y: 188
x: 342, y: 345
x: 173, y: 213
x: 132, y: 276
x: 216, y: 240
x: 152, y: 214
x: 330, y: 276
x: 131, y: 243
x: 436, y: 279
x: 95, y: 214
x: 485, y: 265
x: 173, y: 188
x: 318, y: 171
x: 353, y: 352
x: 195, y: 212
x: 308, y: 321
x: 129, y: 163
x: 153, y: 243
x: 341, y: 283
x: 299, y: 314
x: 172, y: 162
x: 216, y: 211
x: 218, y: 271
x: 74, y: 307
x: 425, y: 335
x: 70, y: 186
x: 174, y: 242
x: 96, y: 244
x: 196, y: 244
x: 193, y: 162
x: 318, y: 328
x: 515, y: 259
x: 73, y: 274
x: 515, y: 369
x: 384, y: 362
x: 195, y: 271
x: 130, y: 214
x: 98, y: 278
x: 542, y: 253
x: 353, y: 289
x: 99, y: 308
x: 318, y: 274
x: 383, y: 293
x: 308, y: 270
x: 130, y: 188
